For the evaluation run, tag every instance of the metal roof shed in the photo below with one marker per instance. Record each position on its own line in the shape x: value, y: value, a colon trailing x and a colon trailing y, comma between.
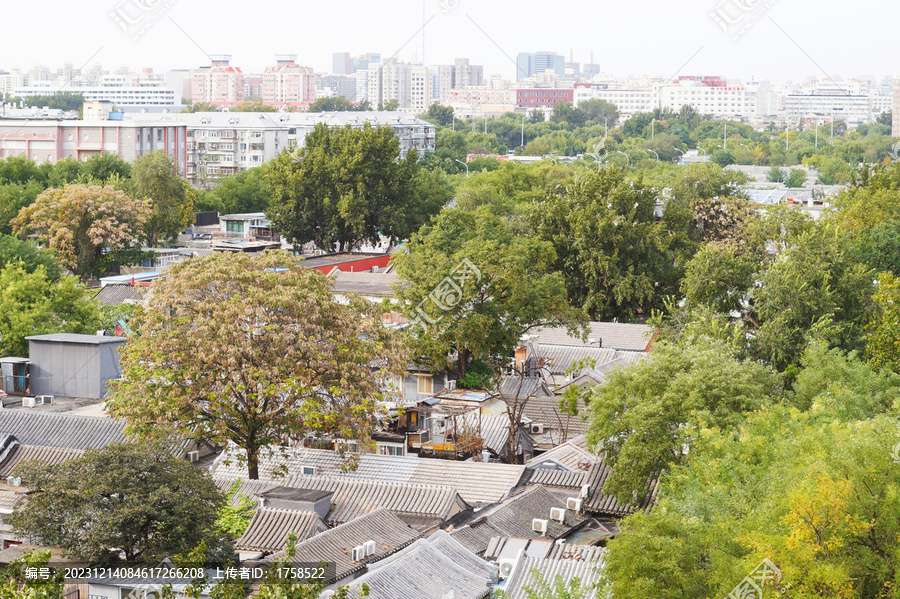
x: 73, y: 365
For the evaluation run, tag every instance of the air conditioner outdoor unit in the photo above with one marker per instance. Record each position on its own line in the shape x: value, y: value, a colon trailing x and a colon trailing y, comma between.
x: 451, y: 384
x: 558, y: 514
x: 14, y: 481
x: 369, y: 547
x: 193, y: 456
x: 358, y: 554
x: 46, y: 400
x: 539, y: 525
x: 573, y: 503
x: 28, y: 402
x: 506, y: 567
x: 585, y: 490
x: 537, y: 429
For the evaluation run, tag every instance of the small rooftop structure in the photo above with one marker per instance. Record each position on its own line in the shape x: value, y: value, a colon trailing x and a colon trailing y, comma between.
x: 73, y: 365
x: 613, y: 335
x: 132, y: 279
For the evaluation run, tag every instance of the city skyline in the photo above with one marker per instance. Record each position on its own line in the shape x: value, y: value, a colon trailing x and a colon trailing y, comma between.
x: 770, y: 40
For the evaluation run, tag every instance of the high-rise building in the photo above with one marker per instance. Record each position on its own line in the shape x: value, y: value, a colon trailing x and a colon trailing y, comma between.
x: 219, y: 83
x: 528, y: 64
x: 287, y: 82
x: 895, y: 111
x: 344, y: 64
x: 340, y: 63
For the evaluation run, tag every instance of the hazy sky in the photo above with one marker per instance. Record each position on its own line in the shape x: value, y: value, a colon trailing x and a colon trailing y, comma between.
x: 628, y: 38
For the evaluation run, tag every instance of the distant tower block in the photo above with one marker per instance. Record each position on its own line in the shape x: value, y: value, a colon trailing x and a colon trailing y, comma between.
x: 281, y: 59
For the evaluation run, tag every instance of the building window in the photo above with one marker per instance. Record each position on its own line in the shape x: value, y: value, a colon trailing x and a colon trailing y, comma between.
x: 391, y: 450
x: 309, y: 470
x: 234, y: 226
x: 426, y: 384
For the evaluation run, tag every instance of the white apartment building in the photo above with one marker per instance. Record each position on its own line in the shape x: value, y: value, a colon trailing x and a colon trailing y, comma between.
x: 118, y: 89
x: 853, y: 110
x: 629, y: 100
x: 480, y: 100
x: 221, y: 144
x: 730, y: 101
x: 420, y: 90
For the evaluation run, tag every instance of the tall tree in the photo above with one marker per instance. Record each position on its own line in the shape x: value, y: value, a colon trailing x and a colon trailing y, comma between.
x: 648, y: 417
x: 345, y: 186
x: 253, y: 350
x: 133, y: 498
x: 474, y: 288
x: 155, y: 178
x: 31, y: 304
x: 609, y: 247
x: 87, y: 226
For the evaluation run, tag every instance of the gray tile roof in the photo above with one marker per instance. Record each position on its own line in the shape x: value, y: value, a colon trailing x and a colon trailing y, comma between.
x: 632, y: 337
x: 513, y: 518
x: 557, y: 478
x: 56, y: 429
x: 600, y: 503
x: 269, y: 529
x: 573, y: 455
x: 530, y: 386
x: 8, y: 500
x: 476, y: 482
x: 541, y: 549
x: 352, y: 498
x: 558, y: 427
x: 335, y: 546
x: 251, y: 489
x: 423, y: 571
x: 116, y: 294
x: 46, y: 455
x: 364, y: 283
x: 561, y: 358
x: 522, y: 579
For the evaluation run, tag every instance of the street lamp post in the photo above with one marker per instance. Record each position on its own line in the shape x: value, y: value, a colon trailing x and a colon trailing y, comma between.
x: 465, y: 165
x: 682, y: 152
x: 652, y: 123
x: 657, y: 155
x: 605, y: 126
x: 626, y: 157
x: 523, y: 131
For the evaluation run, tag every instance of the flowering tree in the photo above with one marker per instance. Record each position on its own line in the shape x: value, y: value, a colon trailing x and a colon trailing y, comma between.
x: 87, y: 225
x: 256, y: 351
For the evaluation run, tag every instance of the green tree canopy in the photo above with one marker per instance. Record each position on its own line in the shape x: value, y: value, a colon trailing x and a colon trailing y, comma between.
x: 475, y: 287
x: 253, y: 350
x: 91, y: 228
x: 648, y: 417
x: 609, y: 248
x: 344, y: 187
x: 156, y: 180
x: 133, y: 498
x: 32, y: 304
